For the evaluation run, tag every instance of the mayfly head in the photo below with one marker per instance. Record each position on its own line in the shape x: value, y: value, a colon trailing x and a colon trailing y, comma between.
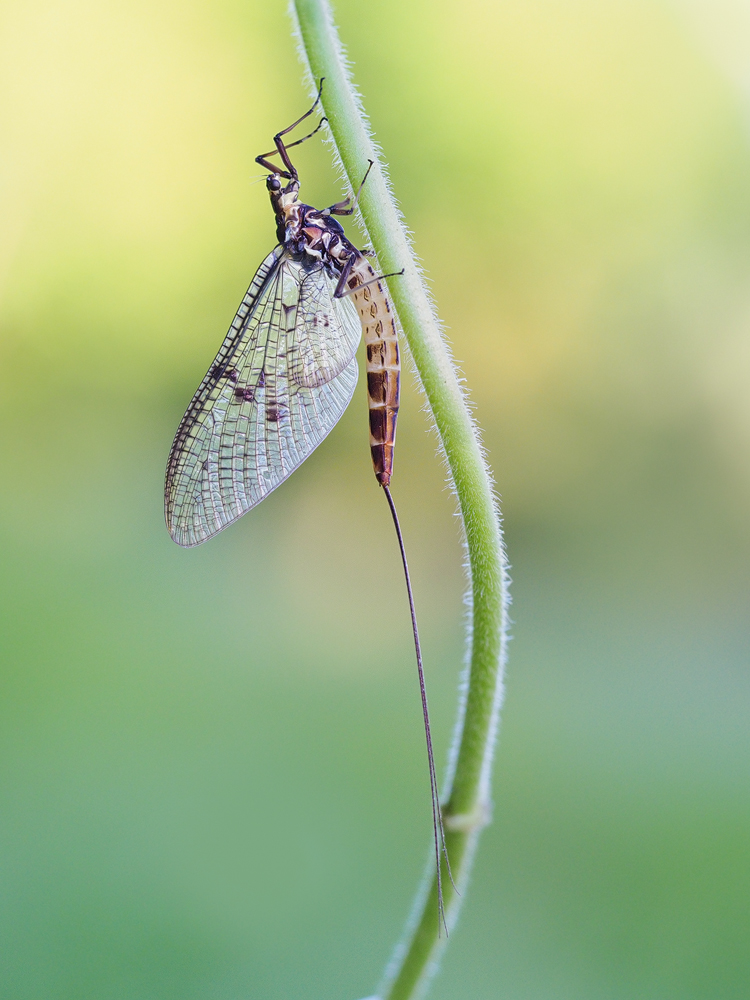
x: 284, y: 199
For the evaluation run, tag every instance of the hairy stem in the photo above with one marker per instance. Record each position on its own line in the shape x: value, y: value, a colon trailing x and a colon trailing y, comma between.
x: 467, y: 795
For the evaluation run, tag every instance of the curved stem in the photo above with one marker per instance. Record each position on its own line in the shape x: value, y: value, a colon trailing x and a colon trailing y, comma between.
x: 467, y: 796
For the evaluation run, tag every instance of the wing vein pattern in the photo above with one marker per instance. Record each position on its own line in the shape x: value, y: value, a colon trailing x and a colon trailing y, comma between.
x: 280, y: 382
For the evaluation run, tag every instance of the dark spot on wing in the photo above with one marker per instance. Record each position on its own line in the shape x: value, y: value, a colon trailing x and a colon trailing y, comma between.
x: 262, y: 378
x: 245, y: 392
x: 220, y: 371
x: 276, y: 412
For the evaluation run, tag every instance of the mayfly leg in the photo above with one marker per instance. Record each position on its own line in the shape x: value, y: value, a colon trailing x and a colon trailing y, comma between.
x: 282, y: 148
x: 347, y: 206
x: 263, y: 158
x: 380, y: 277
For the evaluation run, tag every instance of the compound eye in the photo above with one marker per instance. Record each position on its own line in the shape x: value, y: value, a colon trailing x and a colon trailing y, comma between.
x: 273, y: 183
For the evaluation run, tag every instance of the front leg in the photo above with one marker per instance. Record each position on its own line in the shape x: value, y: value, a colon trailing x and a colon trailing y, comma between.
x: 340, y: 208
x: 347, y: 207
x: 345, y: 274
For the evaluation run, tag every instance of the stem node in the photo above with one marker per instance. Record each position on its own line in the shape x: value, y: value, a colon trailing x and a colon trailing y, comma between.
x: 477, y: 819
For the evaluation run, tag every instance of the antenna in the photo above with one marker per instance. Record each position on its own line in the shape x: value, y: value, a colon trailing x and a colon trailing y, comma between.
x: 437, y: 815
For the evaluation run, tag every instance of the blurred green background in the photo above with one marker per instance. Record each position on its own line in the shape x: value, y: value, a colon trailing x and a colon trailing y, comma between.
x: 213, y: 780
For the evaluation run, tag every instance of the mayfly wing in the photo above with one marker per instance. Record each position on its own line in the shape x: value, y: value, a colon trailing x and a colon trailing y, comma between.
x: 280, y: 382
x: 326, y: 336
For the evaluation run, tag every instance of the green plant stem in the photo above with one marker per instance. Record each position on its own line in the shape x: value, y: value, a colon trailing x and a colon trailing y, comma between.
x: 467, y: 798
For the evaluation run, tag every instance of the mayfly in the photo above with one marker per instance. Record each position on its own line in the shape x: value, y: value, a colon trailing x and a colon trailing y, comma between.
x: 284, y: 376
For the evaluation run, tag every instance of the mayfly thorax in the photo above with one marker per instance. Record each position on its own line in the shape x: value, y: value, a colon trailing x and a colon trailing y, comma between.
x: 283, y: 377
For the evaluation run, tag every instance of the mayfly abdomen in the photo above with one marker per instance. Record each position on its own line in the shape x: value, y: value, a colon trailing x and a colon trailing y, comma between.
x: 383, y: 367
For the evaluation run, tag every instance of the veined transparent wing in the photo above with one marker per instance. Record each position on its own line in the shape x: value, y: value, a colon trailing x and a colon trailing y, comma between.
x: 280, y: 382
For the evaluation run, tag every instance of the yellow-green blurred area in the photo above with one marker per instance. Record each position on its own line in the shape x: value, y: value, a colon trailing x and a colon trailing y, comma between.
x: 213, y: 773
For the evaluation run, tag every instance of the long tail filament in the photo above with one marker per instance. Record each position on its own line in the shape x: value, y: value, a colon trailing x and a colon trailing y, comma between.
x: 437, y: 815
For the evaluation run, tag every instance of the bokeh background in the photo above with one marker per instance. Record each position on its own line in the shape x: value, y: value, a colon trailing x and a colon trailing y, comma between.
x: 213, y: 777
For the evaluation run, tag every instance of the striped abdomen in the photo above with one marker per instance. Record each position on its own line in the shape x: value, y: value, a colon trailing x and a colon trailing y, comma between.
x: 383, y: 366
